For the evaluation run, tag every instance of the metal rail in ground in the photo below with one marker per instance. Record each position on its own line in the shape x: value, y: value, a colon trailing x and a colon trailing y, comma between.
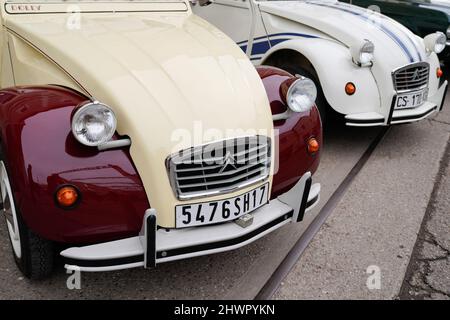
x: 271, y: 286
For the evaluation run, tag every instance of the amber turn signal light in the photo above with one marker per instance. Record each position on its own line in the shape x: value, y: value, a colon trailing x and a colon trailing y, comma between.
x: 350, y: 88
x: 67, y: 196
x: 439, y: 72
x: 313, y: 146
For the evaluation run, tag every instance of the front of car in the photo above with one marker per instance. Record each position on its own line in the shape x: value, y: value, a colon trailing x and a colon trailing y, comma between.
x: 379, y: 73
x: 161, y: 143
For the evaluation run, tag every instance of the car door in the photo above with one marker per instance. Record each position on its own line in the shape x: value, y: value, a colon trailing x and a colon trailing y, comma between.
x: 239, y: 21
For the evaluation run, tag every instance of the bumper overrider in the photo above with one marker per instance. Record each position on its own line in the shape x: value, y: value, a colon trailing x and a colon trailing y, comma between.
x: 433, y: 105
x: 154, y: 245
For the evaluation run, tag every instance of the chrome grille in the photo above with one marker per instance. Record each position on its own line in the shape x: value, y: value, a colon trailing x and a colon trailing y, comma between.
x: 219, y: 167
x: 412, y: 77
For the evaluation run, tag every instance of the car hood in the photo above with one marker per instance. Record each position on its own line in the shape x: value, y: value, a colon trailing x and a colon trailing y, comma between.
x: 173, y: 81
x: 348, y: 24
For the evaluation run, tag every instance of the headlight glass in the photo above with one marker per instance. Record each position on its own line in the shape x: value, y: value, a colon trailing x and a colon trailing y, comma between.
x: 441, y: 41
x: 301, y: 95
x: 366, y: 53
x: 94, y: 124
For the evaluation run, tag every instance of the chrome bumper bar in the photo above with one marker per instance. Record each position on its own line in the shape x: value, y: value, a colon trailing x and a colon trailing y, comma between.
x: 154, y: 246
x: 370, y: 119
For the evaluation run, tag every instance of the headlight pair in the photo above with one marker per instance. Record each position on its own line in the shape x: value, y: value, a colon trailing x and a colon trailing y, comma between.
x: 94, y: 124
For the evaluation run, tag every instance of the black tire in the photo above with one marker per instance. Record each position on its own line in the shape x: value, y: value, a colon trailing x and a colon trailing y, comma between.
x: 37, y: 254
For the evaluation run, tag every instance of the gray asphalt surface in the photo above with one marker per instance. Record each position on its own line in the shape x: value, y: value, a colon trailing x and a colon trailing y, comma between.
x: 241, y: 274
x: 377, y: 222
x: 428, y: 275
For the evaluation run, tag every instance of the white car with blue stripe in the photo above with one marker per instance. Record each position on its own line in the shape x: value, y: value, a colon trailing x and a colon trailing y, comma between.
x: 367, y: 67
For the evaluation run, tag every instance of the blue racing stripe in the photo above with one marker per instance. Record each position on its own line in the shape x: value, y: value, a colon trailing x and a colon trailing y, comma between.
x: 381, y: 27
x: 385, y: 18
x: 260, y: 48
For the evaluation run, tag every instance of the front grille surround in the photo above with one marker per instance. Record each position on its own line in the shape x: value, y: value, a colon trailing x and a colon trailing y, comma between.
x: 412, y: 77
x: 219, y: 167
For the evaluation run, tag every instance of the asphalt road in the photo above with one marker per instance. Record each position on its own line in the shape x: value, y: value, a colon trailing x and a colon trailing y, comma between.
x: 428, y: 275
x: 241, y: 274
x: 373, y: 230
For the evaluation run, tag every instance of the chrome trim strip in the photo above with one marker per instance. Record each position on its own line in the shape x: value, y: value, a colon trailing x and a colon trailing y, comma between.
x: 114, y: 144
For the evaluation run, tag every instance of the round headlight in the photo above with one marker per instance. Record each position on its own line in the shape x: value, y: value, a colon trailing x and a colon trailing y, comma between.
x: 366, y: 53
x: 93, y: 124
x: 441, y: 41
x: 301, y: 95
x: 435, y: 42
x: 362, y: 53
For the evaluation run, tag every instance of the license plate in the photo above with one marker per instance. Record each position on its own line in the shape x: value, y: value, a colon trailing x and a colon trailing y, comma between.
x: 219, y: 211
x: 411, y: 100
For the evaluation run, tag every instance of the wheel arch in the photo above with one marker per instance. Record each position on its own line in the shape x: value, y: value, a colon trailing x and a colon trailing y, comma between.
x: 279, y: 58
x: 35, y: 126
x: 314, y: 55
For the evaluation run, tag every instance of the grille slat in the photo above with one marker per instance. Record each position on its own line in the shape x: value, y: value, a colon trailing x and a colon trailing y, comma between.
x: 227, y: 173
x: 412, y: 83
x: 219, y: 167
x: 412, y: 77
x: 223, y: 181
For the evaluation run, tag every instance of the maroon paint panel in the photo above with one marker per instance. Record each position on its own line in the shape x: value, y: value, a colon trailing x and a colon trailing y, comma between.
x: 42, y: 154
x: 292, y: 159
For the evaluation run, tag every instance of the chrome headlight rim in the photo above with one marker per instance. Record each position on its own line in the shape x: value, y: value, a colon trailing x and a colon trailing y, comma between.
x: 363, y: 55
x: 82, y: 109
x: 296, y: 85
x: 441, y: 42
x: 435, y: 42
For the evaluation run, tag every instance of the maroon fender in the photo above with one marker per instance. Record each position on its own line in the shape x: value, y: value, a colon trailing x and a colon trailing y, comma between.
x: 293, y: 159
x: 42, y: 154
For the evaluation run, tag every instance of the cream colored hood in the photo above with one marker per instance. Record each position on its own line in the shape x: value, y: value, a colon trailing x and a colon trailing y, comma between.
x: 161, y: 73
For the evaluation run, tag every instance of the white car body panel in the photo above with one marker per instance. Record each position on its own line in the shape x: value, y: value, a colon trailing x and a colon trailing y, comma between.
x: 323, y: 31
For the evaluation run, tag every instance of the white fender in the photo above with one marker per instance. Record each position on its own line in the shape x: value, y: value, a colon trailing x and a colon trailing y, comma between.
x: 325, y: 55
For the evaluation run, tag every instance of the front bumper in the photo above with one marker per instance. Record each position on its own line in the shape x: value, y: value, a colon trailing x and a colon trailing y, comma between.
x: 370, y: 119
x: 154, y: 246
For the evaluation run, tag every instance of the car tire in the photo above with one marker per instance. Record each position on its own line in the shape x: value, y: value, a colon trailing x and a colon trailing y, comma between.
x: 33, y: 255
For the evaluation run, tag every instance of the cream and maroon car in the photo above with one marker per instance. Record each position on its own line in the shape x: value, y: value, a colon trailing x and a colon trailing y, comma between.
x: 135, y: 133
